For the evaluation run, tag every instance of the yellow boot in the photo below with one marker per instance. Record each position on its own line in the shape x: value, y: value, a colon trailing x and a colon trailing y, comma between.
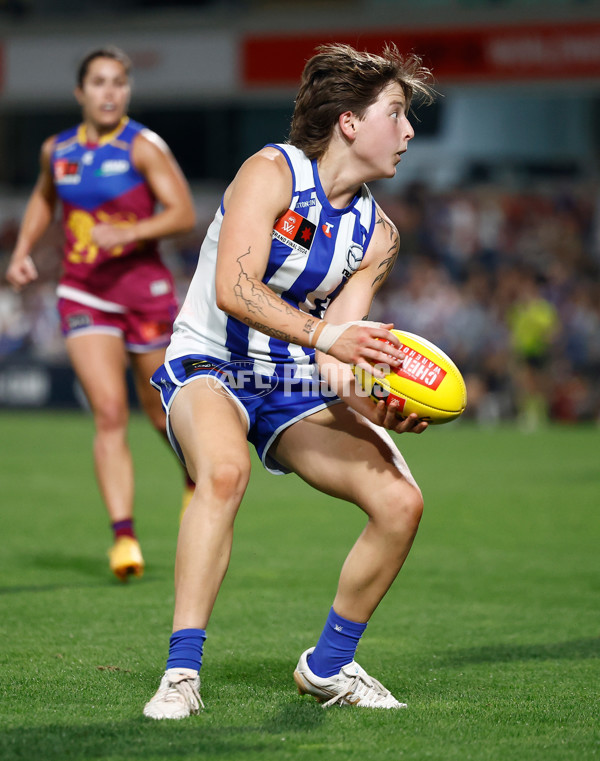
x: 126, y: 558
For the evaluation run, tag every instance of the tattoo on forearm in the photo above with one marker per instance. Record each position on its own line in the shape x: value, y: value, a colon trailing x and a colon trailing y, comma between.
x: 249, y: 293
x: 281, y: 334
x: 259, y: 300
x: 309, y: 327
x: 387, y: 264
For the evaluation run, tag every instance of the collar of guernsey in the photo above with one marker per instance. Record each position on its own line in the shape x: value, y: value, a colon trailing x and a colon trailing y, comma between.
x: 104, y: 139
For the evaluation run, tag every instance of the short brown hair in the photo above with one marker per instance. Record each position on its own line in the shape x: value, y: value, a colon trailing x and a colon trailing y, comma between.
x: 339, y: 78
x: 110, y: 51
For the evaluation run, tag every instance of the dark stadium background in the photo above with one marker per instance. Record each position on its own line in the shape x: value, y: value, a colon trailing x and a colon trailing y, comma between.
x: 497, y: 199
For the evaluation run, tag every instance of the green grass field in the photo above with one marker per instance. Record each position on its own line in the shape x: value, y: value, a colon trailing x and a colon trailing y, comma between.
x: 490, y: 633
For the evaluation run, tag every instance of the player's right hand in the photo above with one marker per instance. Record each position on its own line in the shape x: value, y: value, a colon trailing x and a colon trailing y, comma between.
x: 21, y: 272
x: 385, y: 415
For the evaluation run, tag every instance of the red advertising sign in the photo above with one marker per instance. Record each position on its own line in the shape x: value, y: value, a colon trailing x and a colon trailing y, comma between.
x: 527, y: 51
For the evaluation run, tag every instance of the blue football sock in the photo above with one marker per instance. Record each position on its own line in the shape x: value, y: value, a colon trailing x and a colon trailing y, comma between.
x: 185, y: 649
x: 336, y: 646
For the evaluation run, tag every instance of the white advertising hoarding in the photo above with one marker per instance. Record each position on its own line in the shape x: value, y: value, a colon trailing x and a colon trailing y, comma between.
x: 170, y: 66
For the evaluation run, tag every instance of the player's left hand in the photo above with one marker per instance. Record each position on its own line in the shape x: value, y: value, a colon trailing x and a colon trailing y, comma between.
x: 366, y: 345
x: 385, y: 415
x: 112, y: 236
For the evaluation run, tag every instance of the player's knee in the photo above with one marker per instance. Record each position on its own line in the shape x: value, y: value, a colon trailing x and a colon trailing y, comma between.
x: 110, y: 415
x: 227, y: 480
x: 401, y: 509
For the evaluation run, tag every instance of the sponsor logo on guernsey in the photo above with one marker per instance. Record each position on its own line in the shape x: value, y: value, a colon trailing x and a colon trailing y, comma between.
x: 420, y: 369
x: 295, y: 231
x: 327, y: 229
x: 306, y: 204
x: 354, y: 257
x: 87, y: 158
x: 111, y: 167
x: 66, y: 172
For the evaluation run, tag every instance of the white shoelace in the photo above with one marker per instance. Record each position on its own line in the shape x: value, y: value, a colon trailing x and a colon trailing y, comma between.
x: 181, y: 686
x: 364, y: 688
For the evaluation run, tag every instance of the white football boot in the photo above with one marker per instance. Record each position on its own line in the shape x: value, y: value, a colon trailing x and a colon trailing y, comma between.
x: 177, y: 697
x: 352, y: 686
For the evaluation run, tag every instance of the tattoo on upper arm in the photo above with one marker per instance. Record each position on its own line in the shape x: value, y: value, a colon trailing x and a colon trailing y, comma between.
x: 387, y: 264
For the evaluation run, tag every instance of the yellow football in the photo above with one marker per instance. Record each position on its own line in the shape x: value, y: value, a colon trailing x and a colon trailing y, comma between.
x: 427, y: 383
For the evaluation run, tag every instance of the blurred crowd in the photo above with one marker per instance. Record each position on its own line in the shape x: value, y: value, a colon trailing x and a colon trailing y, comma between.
x: 506, y: 281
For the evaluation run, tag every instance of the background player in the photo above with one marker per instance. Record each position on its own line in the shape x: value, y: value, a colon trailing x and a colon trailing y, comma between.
x: 298, y: 237
x: 116, y: 297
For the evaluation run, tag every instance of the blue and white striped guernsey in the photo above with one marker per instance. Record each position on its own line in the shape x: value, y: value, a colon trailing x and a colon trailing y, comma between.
x: 315, y: 249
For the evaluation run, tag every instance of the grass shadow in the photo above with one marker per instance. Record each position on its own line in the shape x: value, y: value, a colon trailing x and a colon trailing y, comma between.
x: 133, y: 739
x: 304, y: 716
x: 95, y: 569
x: 140, y: 738
x: 24, y: 589
x: 575, y: 649
x: 261, y: 673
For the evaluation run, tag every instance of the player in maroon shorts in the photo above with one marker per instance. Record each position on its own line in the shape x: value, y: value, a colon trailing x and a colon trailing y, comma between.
x: 116, y: 298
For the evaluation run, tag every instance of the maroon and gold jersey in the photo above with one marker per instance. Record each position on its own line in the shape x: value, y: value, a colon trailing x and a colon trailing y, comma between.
x: 98, y: 183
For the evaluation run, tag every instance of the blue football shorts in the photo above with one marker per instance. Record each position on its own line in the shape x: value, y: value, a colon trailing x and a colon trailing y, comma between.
x: 269, y: 404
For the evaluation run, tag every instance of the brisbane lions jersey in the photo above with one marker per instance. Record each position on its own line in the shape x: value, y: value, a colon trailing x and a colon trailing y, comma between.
x: 98, y: 183
x: 315, y: 248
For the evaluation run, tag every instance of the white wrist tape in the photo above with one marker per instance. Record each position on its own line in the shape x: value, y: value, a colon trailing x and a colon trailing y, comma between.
x: 330, y: 333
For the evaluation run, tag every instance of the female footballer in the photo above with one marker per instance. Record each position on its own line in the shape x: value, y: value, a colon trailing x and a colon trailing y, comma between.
x: 116, y: 298
x: 285, y: 279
